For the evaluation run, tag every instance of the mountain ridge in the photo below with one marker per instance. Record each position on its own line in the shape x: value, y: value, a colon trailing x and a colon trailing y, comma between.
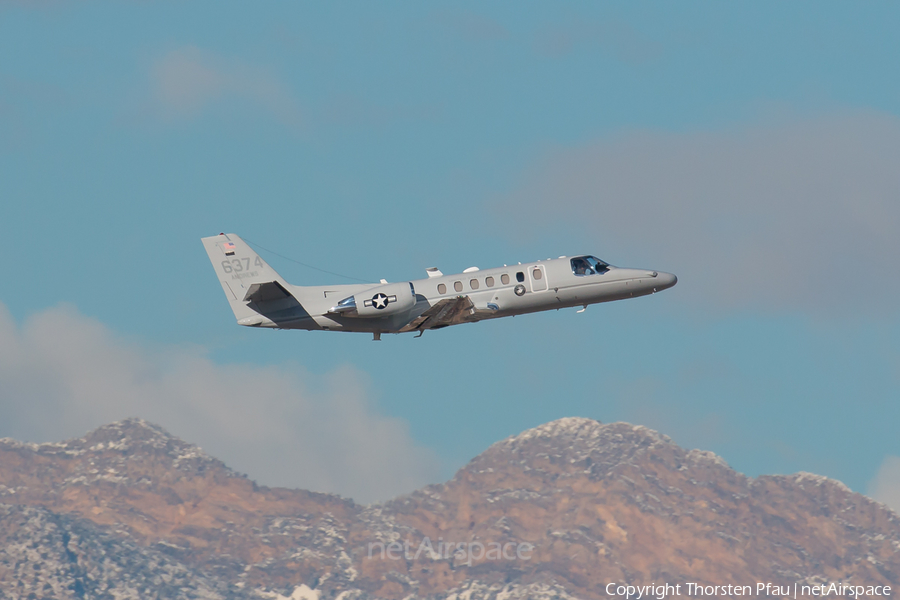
x: 595, y: 503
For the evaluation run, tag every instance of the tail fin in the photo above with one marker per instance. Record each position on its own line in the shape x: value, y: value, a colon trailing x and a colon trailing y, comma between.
x: 248, y: 281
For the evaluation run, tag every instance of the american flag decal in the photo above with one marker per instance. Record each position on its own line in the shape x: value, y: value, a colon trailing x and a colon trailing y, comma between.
x: 229, y: 248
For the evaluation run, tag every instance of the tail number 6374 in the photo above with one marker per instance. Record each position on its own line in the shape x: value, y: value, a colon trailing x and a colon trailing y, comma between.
x: 236, y: 265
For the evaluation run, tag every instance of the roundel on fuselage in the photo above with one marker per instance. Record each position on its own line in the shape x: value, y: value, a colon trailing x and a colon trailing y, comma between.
x: 384, y: 300
x: 380, y: 301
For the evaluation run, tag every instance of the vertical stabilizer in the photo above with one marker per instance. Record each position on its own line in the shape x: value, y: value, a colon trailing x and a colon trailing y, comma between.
x: 250, y: 284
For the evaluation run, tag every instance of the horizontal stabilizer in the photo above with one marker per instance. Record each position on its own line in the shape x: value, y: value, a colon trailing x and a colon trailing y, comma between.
x: 266, y: 292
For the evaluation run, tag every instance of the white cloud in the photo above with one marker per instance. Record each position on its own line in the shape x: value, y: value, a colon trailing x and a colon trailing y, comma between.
x: 62, y: 374
x: 188, y: 79
x: 885, y: 487
x: 802, y: 215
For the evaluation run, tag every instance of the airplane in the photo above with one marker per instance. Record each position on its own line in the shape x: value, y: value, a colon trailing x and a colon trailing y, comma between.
x: 260, y: 297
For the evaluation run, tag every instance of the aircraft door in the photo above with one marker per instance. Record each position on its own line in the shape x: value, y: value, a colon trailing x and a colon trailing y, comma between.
x: 538, y: 276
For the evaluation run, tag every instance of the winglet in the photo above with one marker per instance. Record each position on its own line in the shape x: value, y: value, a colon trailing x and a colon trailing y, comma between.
x: 433, y: 272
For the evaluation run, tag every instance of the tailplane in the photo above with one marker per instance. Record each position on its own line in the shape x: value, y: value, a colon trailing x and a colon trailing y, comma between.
x: 252, y: 287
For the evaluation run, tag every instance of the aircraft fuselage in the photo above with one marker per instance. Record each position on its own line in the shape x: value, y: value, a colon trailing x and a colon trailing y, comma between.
x: 431, y: 303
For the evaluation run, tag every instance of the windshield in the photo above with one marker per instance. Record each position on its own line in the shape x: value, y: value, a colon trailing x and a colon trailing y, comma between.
x: 589, y: 265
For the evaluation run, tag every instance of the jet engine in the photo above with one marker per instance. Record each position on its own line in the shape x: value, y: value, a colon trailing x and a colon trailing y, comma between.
x: 379, y: 301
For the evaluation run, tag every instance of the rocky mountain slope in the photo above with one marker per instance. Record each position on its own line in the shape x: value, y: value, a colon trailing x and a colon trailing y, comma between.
x: 556, y: 511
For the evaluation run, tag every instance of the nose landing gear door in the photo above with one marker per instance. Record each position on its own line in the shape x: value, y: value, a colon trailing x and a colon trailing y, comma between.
x: 538, y: 277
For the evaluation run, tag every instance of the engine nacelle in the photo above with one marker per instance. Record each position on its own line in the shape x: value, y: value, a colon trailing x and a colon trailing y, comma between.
x: 380, y: 301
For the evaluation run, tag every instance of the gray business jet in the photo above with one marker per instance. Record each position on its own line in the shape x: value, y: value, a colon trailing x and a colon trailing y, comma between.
x: 260, y: 297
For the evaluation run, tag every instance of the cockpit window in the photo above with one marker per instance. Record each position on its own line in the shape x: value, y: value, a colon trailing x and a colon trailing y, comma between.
x: 588, y: 265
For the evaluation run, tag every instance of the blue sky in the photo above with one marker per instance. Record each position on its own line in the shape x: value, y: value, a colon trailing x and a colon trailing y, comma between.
x: 751, y: 150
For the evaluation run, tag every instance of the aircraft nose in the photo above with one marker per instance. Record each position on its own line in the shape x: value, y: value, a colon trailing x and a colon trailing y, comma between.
x: 665, y: 281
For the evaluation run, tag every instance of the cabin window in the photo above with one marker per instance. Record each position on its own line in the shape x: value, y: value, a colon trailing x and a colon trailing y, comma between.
x: 457, y: 285
x: 520, y: 276
x: 504, y: 279
x: 473, y: 283
x: 537, y: 274
x: 442, y: 289
x: 489, y: 281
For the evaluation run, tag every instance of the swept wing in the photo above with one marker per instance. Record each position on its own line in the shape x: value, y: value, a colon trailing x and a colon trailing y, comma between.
x: 449, y: 311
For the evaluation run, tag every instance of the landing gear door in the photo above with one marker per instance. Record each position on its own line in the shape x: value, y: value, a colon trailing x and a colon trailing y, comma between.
x: 538, y: 276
